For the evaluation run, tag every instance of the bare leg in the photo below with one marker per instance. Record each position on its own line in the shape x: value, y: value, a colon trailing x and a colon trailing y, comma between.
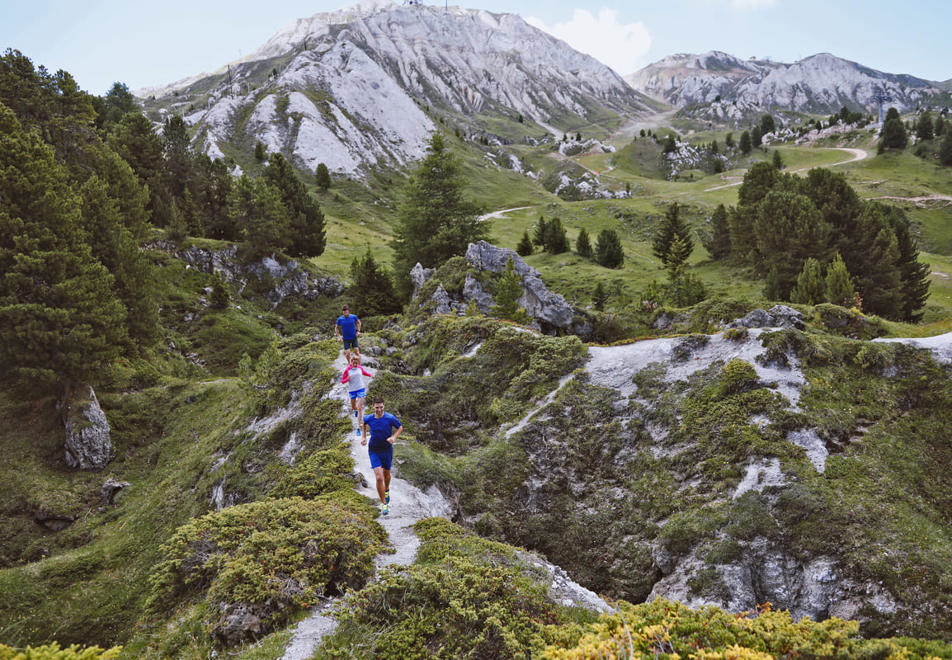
x: 360, y: 411
x: 383, y: 482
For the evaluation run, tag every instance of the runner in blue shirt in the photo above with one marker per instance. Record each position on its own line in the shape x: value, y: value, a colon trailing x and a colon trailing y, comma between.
x: 347, y: 329
x: 384, y: 429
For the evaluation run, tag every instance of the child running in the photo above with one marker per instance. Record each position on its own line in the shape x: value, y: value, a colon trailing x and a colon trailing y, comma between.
x: 384, y: 429
x: 354, y: 379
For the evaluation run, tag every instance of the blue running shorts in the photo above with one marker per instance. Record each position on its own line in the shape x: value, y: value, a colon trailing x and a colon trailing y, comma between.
x: 358, y: 394
x: 381, y: 458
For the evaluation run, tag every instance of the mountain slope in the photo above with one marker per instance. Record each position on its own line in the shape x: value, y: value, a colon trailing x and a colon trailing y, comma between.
x: 345, y: 88
x: 720, y: 86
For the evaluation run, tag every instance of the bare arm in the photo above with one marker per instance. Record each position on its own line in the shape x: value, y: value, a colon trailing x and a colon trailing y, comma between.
x: 358, y: 326
x: 393, y: 437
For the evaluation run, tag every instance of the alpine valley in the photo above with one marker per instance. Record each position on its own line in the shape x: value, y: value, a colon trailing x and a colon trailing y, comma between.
x: 672, y: 353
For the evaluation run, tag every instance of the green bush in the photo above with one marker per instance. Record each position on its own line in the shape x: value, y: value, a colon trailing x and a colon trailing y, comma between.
x: 272, y: 558
x: 848, y: 322
x: 54, y: 652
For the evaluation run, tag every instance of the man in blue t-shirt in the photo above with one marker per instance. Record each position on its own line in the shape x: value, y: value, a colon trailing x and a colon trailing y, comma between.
x: 347, y: 329
x: 384, y: 429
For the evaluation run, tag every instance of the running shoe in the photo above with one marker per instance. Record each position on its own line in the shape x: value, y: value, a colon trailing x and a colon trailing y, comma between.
x: 358, y: 433
x: 384, y: 510
x: 386, y: 496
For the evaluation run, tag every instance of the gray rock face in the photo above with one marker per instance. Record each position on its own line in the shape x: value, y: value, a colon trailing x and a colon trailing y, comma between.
x: 88, y: 446
x: 419, y: 275
x: 288, y: 279
x: 541, y: 304
x: 779, y: 316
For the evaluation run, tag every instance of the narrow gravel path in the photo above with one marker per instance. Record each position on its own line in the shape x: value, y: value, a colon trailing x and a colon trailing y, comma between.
x: 408, y: 504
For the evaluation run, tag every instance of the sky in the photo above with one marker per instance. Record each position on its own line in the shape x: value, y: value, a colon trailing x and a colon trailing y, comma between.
x: 148, y: 44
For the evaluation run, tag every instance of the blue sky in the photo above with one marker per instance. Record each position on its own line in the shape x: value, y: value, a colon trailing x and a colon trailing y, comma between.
x: 144, y: 44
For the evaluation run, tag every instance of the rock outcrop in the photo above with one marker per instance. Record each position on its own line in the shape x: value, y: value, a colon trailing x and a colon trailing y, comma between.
x: 779, y: 316
x: 548, y: 309
x: 288, y: 279
x: 88, y: 445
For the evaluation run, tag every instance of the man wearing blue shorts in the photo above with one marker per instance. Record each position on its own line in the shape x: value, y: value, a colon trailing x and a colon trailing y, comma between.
x: 384, y: 429
x: 347, y: 330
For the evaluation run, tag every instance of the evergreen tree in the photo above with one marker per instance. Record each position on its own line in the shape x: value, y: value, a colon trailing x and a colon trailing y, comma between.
x: 740, y: 220
x: 838, y: 286
x: 322, y: 177
x: 913, y: 275
x: 759, y: 180
x: 538, y: 232
x: 372, y: 291
x: 434, y: 221
x: 60, y: 319
x: 582, y: 244
x: 608, y: 252
x: 115, y: 246
x: 507, y: 294
x: 756, y: 137
x: 669, y: 144
x: 745, y: 143
x: 599, y: 296
x: 524, y: 249
x: 255, y: 206
x: 672, y: 225
x: 877, y: 276
x: 260, y: 152
x: 306, y: 236
x: 729, y: 140
x: 789, y: 229
x: 939, y: 126
x: 678, y: 255
x: 178, y: 155
x: 893, y: 135
x: 219, y: 298
x: 810, y: 288
x: 214, y: 189
x: 777, y: 161
x: 554, y: 239
x: 112, y: 107
x: 839, y: 205
x: 945, y: 149
x: 767, y: 124
x: 720, y: 243
x: 924, y: 128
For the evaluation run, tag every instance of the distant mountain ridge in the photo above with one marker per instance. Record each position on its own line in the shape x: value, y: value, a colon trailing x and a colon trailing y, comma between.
x: 349, y: 88
x: 719, y: 86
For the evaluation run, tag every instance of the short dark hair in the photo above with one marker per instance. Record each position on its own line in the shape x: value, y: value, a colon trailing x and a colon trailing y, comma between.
x: 345, y: 307
x: 378, y: 399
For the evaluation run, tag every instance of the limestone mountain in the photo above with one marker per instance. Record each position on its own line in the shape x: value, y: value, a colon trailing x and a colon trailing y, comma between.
x: 353, y: 88
x: 719, y: 86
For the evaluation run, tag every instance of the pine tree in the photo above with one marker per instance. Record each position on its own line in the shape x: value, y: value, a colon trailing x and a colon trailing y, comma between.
x: 524, y: 249
x: 554, y: 239
x: 810, y: 288
x: 582, y: 244
x: 219, y: 298
x: 924, y: 127
x: 60, y: 319
x: 720, y: 243
x: 789, y: 229
x: 434, y: 221
x: 306, y: 236
x: 671, y: 226
x: 745, y: 143
x: 255, y: 206
x: 894, y: 133
x: 178, y: 155
x: 372, y: 291
x: 838, y: 286
x: 538, y: 232
x: 599, y: 296
x: 939, y: 126
x: 322, y: 177
x: 507, y: 294
x: 767, y: 124
x: 669, y: 144
x: 729, y: 140
x: 260, y: 152
x: 777, y: 161
x: 772, y: 285
x: 945, y: 149
x: 756, y: 137
x: 759, y: 180
x: 608, y: 251
x: 913, y: 275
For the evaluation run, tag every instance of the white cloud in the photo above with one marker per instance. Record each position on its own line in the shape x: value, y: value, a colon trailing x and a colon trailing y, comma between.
x: 622, y: 47
x: 751, y: 4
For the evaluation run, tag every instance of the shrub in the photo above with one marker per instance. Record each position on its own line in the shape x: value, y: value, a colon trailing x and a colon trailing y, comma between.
x: 268, y: 558
x: 54, y: 652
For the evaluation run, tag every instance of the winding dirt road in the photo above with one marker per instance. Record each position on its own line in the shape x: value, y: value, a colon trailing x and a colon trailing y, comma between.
x: 856, y: 154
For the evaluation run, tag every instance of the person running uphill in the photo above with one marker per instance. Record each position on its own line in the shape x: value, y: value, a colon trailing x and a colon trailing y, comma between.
x: 382, y: 436
x: 347, y: 329
x: 354, y: 379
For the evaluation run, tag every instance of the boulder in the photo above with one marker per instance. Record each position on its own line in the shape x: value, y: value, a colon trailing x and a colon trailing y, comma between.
x: 110, y: 488
x: 544, y: 306
x: 88, y: 446
x: 419, y: 275
x: 779, y: 316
